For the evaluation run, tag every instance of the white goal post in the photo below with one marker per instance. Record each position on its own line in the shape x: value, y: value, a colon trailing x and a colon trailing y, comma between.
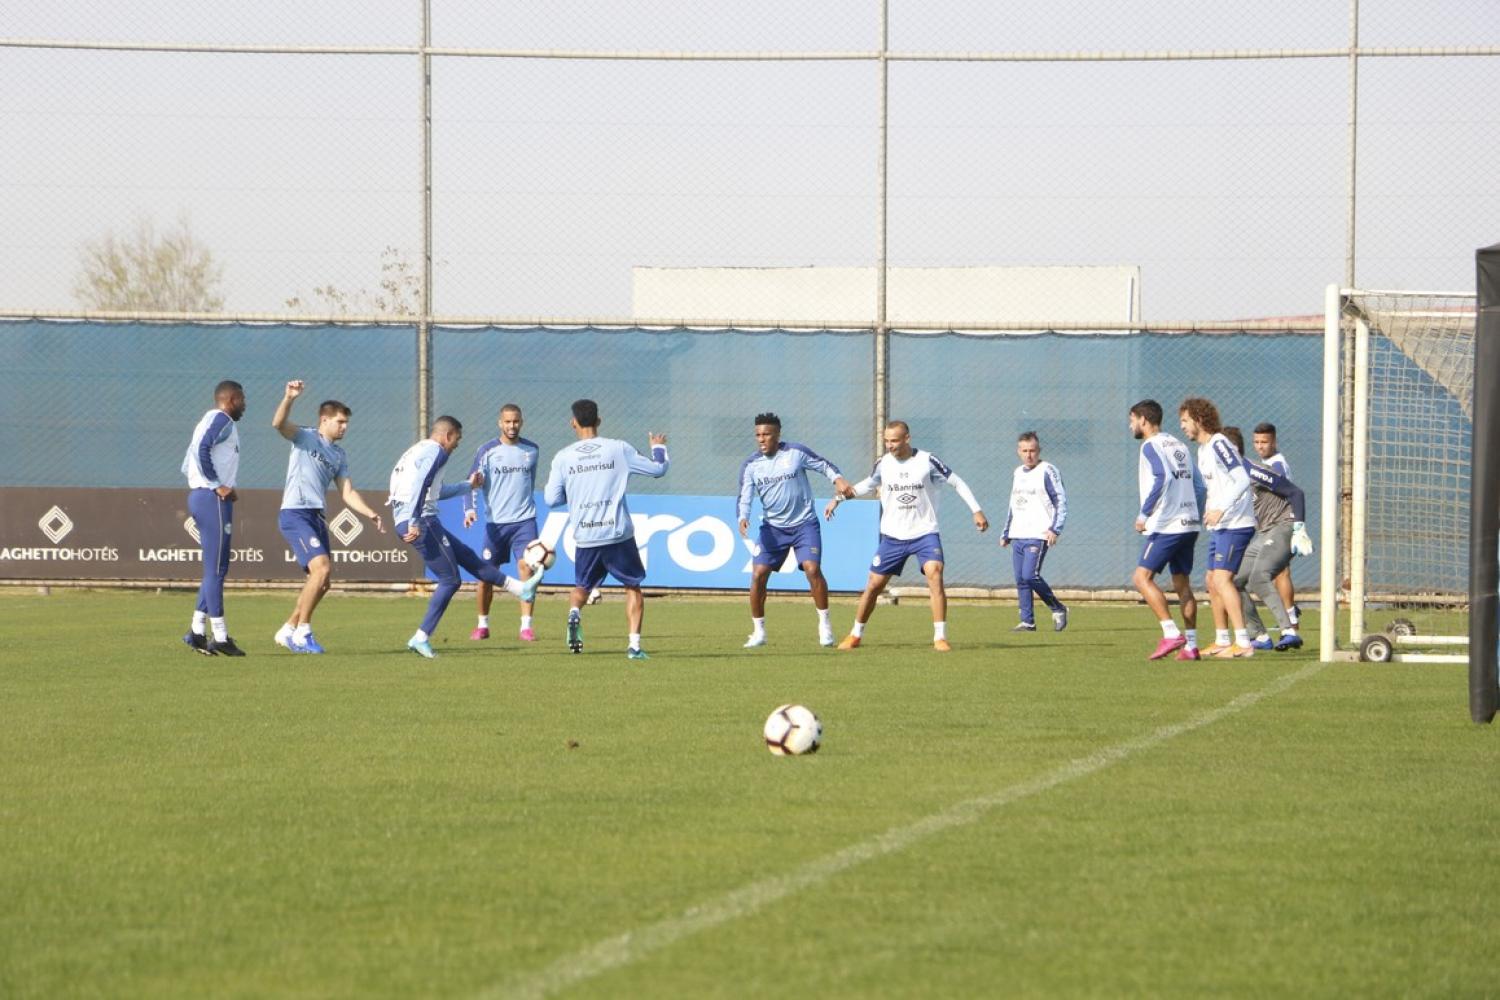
x: 1398, y: 417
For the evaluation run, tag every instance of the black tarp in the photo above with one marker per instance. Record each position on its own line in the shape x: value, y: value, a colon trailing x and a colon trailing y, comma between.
x: 1484, y: 520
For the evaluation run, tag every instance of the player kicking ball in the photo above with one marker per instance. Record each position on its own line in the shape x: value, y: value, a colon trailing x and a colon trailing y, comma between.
x: 908, y: 478
x: 416, y: 486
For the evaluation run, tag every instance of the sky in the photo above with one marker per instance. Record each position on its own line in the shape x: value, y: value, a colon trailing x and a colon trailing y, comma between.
x: 1225, y: 181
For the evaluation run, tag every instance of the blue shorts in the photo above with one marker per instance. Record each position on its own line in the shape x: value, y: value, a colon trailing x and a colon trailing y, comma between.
x: 504, y: 543
x: 622, y: 560
x: 306, y: 533
x: 1175, y: 549
x: 892, y: 554
x: 1226, y: 549
x: 806, y: 538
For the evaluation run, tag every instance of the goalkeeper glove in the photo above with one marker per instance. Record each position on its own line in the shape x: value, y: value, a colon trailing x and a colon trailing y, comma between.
x: 1302, y: 544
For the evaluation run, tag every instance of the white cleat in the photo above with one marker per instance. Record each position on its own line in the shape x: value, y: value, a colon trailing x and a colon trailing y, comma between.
x: 826, y: 637
x: 284, y: 638
x: 755, y: 639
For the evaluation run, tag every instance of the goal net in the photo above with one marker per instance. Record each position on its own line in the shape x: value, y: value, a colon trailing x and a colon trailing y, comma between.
x: 1400, y: 366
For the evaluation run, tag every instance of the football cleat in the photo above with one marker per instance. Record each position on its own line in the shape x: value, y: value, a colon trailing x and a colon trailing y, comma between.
x: 826, y: 637
x: 1188, y: 654
x: 1168, y: 646
x: 941, y: 645
x: 1025, y: 627
x: 529, y: 587
x: 1262, y: 641
x: 284, y: 638
x: 421, y: 647
x: 479, y: 633
x: 849, y: 642
x: 197, y: 643
x: 309, y: 645
x: 1215, y: 650
x: 755, y: 639
x: 1060, y: 619
x: 1289, y: 640
x: 527, y: 635
x: 225, y: 648
x: 575, y: 632
x: 636, y: 654
x: 1235, y: 652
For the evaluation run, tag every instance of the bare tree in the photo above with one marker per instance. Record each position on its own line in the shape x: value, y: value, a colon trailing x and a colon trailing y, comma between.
x: 400, y: 292
x: 149, y: 271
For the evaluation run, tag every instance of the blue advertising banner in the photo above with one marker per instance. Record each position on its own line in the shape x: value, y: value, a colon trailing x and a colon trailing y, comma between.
x: 694, y: 541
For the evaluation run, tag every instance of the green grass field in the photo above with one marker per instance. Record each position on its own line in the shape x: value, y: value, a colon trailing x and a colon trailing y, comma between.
x: 1036, y: 815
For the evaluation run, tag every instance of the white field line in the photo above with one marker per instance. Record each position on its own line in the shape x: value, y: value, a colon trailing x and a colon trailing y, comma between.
x: 624, y: 949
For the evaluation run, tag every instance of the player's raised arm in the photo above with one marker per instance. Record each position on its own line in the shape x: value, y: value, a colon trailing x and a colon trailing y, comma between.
x: 281, y: 420
x: 656, y: 466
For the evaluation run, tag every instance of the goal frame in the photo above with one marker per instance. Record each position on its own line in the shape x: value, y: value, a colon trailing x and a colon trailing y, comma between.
x: 1356, y: 378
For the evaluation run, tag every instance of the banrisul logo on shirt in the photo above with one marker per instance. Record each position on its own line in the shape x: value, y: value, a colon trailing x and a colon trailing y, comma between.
x: 346, y: 527
x: 55, y: 525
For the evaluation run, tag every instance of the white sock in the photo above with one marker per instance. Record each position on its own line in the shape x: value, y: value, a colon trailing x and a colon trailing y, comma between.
x: 1169, y: 629
x: 512, y: 586
x: 303, y: 630
x: 939, y: 630
x: 858, y: 629
x: 221, y: 631
x: 1289, y: 631
x: 757, y: 626
x: 420, y: 636
x: 285, y: 632
x: 1221, y: 637
x: 823, y: 617
x: 635, y: 640
x: 525, y: 621
x: 484, y: 621
x: 1241, y: 637
x: 1192, y: 637
x: 200, y: 623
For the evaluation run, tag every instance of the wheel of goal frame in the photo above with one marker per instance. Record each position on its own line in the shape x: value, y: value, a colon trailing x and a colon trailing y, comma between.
x: 1375, y: 649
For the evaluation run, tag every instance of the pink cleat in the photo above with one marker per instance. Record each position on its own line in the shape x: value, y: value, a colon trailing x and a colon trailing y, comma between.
x: 527, y: 635
x: 480, y: 633
x: 1167, y: 646
x: 1188, y: 654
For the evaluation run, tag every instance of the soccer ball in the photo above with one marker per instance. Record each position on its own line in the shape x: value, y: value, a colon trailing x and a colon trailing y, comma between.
x: 538, y: 554
x: 793, y: 730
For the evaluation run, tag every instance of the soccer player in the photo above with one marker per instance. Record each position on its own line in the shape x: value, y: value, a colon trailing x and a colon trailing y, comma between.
x: 317, y: 460
x: 908, y: 526
x: 212, y: 466
x: 506, y: 466
x: 1168, y: 517
x: 416, y: 486
x: 590, y: 476
x: 1280, y: 531
x: 1229, y: 515
x: 1038, y: 509
x: 777, y: 474
x: 1271, y: 457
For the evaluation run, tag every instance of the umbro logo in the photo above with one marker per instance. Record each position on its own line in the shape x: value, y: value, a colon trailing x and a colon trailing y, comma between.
x: 346, y: 527
x: 907, y: 498
x: 191, y: 527
x: 55, y: 525
x: 590, y: 448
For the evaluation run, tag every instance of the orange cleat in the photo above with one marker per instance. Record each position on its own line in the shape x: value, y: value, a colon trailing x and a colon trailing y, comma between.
x: 849, y: 642
x: 941, y: 645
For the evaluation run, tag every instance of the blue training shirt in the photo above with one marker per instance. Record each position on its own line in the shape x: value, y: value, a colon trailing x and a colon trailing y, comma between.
x: 312, y: 467
x: 590, y: 476
x: 509, y: 480
x: 780, y: 480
